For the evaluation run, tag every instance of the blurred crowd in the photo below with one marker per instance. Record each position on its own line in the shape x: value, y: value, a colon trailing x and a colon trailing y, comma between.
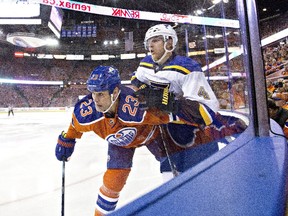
x: 74, y: 75
x: 230, y: 85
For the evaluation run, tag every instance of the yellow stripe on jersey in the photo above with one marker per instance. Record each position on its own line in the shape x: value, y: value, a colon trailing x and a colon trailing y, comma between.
x: 205, y: 115
x: 178, y: 68
x: 145, y: 64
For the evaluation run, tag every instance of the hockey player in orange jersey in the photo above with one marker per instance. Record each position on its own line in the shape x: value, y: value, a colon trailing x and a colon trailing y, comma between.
x: 112, y: 111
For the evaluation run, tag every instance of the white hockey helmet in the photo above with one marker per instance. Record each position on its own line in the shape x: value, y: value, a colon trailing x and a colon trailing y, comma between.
x: 164, y: 30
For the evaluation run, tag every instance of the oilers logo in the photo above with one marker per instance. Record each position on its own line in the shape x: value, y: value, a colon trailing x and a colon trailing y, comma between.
x: 123, y: 137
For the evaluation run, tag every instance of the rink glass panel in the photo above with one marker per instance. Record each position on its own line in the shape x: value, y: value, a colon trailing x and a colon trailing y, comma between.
x: 217, y: 48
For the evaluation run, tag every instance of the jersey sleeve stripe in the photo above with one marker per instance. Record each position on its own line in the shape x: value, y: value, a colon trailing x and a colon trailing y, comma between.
x: 205, y: 115
x: 177, y: 68
x: 145, y: 64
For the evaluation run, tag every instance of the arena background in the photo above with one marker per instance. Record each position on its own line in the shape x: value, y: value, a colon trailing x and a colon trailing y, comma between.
x: 31, y: 175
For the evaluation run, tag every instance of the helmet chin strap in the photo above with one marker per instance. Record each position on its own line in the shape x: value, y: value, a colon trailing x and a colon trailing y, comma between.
x: 112, y: 101
x: 164, y: 55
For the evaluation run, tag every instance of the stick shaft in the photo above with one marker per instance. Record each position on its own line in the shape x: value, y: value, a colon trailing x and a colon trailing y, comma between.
x: 63, y: 189
x: 172, y: 165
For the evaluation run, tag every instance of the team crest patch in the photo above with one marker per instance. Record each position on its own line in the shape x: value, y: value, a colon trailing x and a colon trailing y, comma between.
x: 123, y: 137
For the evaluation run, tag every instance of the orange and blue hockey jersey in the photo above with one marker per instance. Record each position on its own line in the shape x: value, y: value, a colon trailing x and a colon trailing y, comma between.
x: 130, y: 127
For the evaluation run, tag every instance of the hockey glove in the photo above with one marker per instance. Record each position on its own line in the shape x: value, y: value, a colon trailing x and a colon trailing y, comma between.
x: 159, y: 98
x: 64, y: 147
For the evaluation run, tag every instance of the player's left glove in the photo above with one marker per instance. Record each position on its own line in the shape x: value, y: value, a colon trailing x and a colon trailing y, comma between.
x: 159, y: 98
x: 64, y: 147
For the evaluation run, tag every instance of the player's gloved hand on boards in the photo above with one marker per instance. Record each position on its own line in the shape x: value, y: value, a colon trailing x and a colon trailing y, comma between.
x: 159, y: 98
x: 64, y: 147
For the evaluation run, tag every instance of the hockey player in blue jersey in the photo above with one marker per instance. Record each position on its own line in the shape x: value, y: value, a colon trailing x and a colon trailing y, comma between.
x: 164, y: 71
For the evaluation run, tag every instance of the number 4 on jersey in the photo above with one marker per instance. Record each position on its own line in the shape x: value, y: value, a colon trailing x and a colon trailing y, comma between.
x: 203, y: 93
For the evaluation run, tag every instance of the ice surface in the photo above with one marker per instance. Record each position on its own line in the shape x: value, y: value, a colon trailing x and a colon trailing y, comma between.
x: 31, y: 176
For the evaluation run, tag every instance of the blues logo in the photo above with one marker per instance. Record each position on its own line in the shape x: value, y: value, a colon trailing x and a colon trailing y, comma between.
x: 123, y: 137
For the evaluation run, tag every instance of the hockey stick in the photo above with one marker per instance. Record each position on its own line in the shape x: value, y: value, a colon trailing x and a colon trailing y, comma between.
x: 63, y: 187
x: 172, y: 165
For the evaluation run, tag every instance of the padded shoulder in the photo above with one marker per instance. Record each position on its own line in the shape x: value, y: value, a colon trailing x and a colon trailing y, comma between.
x: 182, y: 64
x: 128, y: 108
x: 85, y: 111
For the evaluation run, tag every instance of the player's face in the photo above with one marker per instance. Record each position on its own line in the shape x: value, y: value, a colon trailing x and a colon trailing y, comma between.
x: 156, y: 47
x: 102, y: 100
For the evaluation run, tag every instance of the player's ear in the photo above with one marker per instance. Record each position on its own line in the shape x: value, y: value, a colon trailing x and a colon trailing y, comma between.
x: 169, y: 44
x: 116, y: 92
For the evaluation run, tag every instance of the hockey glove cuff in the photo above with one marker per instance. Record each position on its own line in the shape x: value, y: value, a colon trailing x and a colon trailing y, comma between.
x: 64, y: 147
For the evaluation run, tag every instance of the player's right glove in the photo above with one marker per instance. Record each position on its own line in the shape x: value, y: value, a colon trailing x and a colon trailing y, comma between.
x: 64, y: 147
x: 159, y: 98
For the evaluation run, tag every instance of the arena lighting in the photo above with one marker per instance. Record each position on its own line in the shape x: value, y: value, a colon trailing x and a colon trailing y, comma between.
x: 17, y: 10
x: 74, y: 57
x: 20, y: 21
x: 51, y: 42
x: 128, y: 56
x: 18, y: 13
x: 99, y: 57
x: 19, y: 54
x: 44, y: 56
x: 275, y: 37
x: 141, y: 55
x: 115, y: 42
x: 199, y: 12
x: 230, y: 50
x: 30, y: 82
x: 59, y: 56
x: 225, y: 77
x: 24, y: 39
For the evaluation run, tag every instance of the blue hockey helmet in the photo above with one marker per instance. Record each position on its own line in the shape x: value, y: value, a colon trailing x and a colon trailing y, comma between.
x: 103, y: 78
